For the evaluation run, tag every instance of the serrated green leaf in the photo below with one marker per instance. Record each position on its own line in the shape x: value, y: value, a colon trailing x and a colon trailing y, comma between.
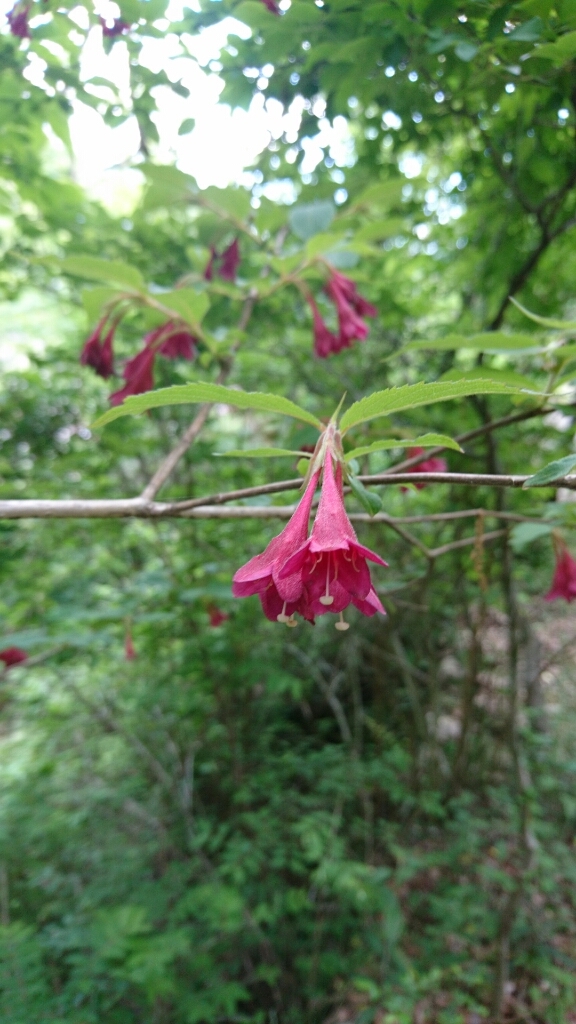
x: 191, y: 306
x: 553, y: 471
x: 545, y: 321
x: 490, y: 341
x: 410, y: 396
x: 261, y: 453
x: 517, y: 380
x: 370, y: 501
x: 107, y: 271
x: 181, y: 394
x: 425, y: 441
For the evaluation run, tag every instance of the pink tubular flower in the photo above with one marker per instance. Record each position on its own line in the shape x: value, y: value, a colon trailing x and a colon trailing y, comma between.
x: 325, y: 343
x: 129, y: 651
x: 281, y: 595
x: 351, y: 307
x: 172, y: 340
x: 331, y: 564
x: 97, y: 351
x: 13, y: 656
x: 230, y: 261
x: 432, y: 465
x: 209, y: 271
x: 272, y: 6
x: 18, y: 20
x: 138, y: 374
x: 564, y: 581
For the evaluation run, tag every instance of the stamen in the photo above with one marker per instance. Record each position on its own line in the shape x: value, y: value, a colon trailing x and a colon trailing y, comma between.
x: 282, y: 617
x: 341, y: 625
x: 291, y: 622
x: 327, y: 599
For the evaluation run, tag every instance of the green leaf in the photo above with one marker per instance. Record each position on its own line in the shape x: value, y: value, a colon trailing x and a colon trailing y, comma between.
x: 466, y: 51
x: 561, y: 51
x: 167, y: 186
x: 187, y: 126
x: 528, y: 32
x: 262, y: 453
x: 108, y: 271
x: 410, y: 396
x: 490, y: 341
x: 370, y: 501
x: 553, y: 471
x: 182, y: 394
x: 525, y: 533
x: 425, y: 441
x: 228, y: 202
x: 310, y: 219
x: 191, y: 306
x: 383, y: 195
x: 517, y: 380
x: 94, y: 300
x: 566, y: 325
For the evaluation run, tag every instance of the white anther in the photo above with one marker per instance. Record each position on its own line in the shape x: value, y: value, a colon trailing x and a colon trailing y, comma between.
x: 341, y: 625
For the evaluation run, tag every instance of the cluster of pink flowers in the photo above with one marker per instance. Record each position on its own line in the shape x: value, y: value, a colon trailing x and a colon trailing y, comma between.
x: 224, y: 264
x: 317, y: 574
x: 351, y: 307
x: 171, y: 339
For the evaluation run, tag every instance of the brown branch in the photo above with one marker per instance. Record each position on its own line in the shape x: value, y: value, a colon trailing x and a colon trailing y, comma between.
x: 208, y: 506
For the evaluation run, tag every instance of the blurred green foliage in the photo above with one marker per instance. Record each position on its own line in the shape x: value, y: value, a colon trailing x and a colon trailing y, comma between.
x: 244, y: 823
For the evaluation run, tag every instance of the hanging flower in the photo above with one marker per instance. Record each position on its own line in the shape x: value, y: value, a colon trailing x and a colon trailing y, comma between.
x: 13, y: 656
x: 331, y: 564
x: 97, y: 351
x: 138, y: 374
x: 226, y: 264
x: 172, y: 340
x: 432, y: 465
x: 351, y: 307
x: 564, y: 581
x: 230, y: 261
x: 325, y: 342
x: 129, y: 651
x: 209, y: 271
x: 18, y: 20
x: 282, y: 597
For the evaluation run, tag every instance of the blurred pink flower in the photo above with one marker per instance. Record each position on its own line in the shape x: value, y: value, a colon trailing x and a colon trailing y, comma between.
x: 432, y: 465
x: 564, y: 581
x: 13, y: 656
x: 97, y: 351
